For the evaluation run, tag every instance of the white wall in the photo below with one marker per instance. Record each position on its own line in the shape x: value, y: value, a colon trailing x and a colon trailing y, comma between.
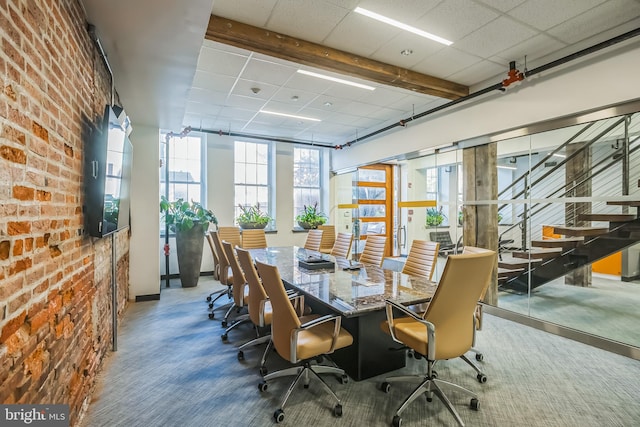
x: 145, y: 219
x: 586, y: 84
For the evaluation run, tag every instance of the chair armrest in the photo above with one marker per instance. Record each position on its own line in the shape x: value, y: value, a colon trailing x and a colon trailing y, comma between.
x: 320, y: 320
x: 297, y: 301
x: 431, y: 329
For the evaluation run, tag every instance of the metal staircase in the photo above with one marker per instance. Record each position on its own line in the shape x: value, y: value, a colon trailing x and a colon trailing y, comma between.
x: 586, y: 237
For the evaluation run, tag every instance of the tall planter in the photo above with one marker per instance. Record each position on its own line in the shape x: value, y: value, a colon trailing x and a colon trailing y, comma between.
x: 189, y: 244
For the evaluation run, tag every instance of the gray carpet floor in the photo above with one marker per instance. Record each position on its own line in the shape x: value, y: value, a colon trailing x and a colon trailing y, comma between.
x: 172, y: 369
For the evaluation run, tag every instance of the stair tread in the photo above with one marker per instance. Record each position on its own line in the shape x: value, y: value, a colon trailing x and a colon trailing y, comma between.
x: 515, y: 263
x: 607, y: 217
x: 624, y: 203
x: 579, y: 231
x: 562, y: 242
x: 536, y: 253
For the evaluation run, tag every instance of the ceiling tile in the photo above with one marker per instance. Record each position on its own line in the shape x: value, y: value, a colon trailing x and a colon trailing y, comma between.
x: 420, y: 48
x: 220, y: 62
x: 211, y: 81
x: 454, y: 19
x: 496, y: 36
x: 544, y: 14
x: 291, y: 17
x: 446, y: 62
x: 247, y: 88
x: 535, y: 47
x: 347, y: 35
x: 207, y: 96
x: 272, y: 71
x: 245, y: 102
x: 237, y: 10
x: 479, y: 72
x: 610, y: 14
x: 502, y: 5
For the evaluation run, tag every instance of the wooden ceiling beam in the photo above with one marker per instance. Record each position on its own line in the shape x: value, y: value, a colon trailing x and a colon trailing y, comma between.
x: 281, y: 46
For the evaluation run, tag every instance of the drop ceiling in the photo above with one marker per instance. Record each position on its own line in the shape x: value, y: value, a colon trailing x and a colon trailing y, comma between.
x: 223, y: 88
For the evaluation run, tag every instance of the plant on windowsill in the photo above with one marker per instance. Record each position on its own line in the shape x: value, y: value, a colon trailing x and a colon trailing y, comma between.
x: 435, y: 217
x: 190, y: 222
x: 252, y: 217
x: 311, y: 218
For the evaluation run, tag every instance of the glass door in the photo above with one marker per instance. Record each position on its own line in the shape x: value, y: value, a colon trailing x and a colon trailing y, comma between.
x: 373, y: 192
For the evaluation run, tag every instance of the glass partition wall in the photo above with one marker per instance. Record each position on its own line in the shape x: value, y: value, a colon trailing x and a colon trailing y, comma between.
x: 560, y: 204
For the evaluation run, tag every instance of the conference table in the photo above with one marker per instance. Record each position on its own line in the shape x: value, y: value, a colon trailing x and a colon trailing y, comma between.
x: 358, y: 294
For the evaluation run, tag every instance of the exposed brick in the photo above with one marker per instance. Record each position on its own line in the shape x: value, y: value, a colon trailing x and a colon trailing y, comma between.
x: 10, y: 93
x: 17, y: 247
x: 15, y: 228
x: 55, y: 251
x: 68, y: 150
x: 28, y: 244
x: 40, y: 131
x: 12, y: 326
x: 13, y: 154
x: 20, y: 265
x: 5, y: 247
x: 43, y: 196
x: 23, y: 193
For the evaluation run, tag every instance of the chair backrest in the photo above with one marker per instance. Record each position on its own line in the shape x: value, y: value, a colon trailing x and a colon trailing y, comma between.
x: 314, y: 237
x: 342, y: 246
x: 452, y: 306
x: 230, y: 234
x: 422, y: 257
x: 373, y: 251
x: 223, y: 274
x: 257, y: 293
x: 216, y: 262
x: 239, y: 280
x: 284, y: 317
x: 328, y: 237
x: 478, y: 312
x: 254, y: 239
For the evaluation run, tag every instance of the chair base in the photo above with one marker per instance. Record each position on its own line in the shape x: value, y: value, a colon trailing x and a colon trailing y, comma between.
x: 303, y: 373
x: 430, y: 386
x: 254, y: 342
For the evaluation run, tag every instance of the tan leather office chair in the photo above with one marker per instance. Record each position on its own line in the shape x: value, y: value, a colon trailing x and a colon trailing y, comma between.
x: 224, y: 274
x: 239, y: 291
x: 373, y: 251
x: 422, y: 259
x: 447, y: 329
x: 328, y: 238
x: 254, y: 239
x: 260, y: 310
x: 230, y: 234
x: 300, y: 342
x: 216, y: 263
x: 314, y: 237
x: 342, y: 246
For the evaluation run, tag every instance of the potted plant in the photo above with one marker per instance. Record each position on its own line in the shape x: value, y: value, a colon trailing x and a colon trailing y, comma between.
x: 311, y: 218
x: 252, y: 217
x: 190, y: 222
x: 435, y: 217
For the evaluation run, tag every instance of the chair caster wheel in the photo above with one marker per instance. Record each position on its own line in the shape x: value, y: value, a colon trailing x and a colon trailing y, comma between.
x: 344, y: 379
x: 262, y: 386
x: 224, y: 323
x: 397, y: 421
x: 263, y: 371
x: 210, y: 305
x: 482, y: 378
x: 319, y: 359
x: 417, y: 356
x: 240, y: 356
x: 278, y: 416
x: 474, y: 404
x: 211, y: 316
x: 434, y: 374
x: 479, y: 357
x: 337, y: 410
x: 306, y: 385
x: 224, y: 337
x: 385, y: 387
x: 209, y: 298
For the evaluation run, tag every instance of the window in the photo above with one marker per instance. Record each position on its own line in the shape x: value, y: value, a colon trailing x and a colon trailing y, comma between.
x: 186, y: 163
x: 432, y: 184
x: 252, y: 174
x: 306, y: 179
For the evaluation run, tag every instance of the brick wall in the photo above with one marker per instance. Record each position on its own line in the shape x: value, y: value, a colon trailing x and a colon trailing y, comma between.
x: 55, y: 296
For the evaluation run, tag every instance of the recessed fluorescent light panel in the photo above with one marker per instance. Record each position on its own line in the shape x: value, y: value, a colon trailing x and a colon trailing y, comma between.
x: 335, y: 79
x: 290, y: 115
x: 402, y: 26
